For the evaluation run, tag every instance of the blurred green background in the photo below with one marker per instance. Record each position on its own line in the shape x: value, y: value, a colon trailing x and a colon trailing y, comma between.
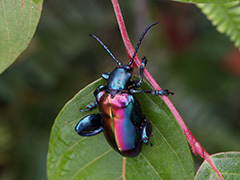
x: 185, y: 54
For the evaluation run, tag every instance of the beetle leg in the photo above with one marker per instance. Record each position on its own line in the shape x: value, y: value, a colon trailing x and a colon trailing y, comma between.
x: 94, y: 104
x: 162, y: 92
x: 89, y: 107
x: 100, y: 88
x: 146, y: 132
x: 106, y: 75
x: 89, y: 125
x: 143, y: 64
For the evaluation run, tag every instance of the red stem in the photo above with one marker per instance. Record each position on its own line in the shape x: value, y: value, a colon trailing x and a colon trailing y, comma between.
x: 195, y: 145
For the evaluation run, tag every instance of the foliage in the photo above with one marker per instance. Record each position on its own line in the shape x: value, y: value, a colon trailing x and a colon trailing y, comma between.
x: 227, y: 163
x: 206, y: 1
x: 59, y: 63
x: 226, y: 17
x: 224, y: 14
x: 19, y: 20
x: 74, y: 157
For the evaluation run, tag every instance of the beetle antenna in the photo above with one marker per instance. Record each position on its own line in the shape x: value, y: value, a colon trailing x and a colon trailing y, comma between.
x: 140, y: 40
x: 105, y: 47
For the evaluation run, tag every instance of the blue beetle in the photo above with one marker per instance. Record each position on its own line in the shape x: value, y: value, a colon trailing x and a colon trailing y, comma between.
x: 120, y: 115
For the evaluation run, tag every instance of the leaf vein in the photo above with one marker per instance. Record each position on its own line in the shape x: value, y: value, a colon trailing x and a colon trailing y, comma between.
x: 231, y: 174
x: 30, y: 19
x: 60, y: 157
x: 151, y: 166
x: 167, y: 141
x: 7, y: 27
x: 88, y: 164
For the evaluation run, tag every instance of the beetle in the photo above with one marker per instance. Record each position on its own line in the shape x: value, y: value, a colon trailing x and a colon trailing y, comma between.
x: 120, y: 115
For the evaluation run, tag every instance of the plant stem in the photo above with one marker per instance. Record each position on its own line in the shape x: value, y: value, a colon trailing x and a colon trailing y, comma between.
x: 195, y: 145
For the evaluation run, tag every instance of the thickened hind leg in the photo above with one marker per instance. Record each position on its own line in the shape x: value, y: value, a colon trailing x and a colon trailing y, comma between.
x: 89, y: 125
x: 146, y: 131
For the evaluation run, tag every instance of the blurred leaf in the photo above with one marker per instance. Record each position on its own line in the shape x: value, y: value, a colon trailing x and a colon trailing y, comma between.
x: 206, y: 1
x: 71, y: 156
x: 228, y: 164
x: 226, y: 17
x: 19, y: 20
x: 6, y: 139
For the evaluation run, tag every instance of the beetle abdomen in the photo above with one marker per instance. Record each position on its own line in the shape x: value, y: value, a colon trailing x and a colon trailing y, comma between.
x: 121, y: 130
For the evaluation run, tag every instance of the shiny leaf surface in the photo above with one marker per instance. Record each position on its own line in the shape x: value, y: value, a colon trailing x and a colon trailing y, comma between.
x: 71, y: 156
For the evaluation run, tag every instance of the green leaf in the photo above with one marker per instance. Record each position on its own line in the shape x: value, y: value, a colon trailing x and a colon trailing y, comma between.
x: 206, y: 1
x: 227, y: 163
x: 71, y: 156
x: 226, y: 17
x: 18, y: 22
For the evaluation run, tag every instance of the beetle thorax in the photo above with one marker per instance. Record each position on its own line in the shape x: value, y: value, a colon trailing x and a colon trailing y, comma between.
x: 119, y: 78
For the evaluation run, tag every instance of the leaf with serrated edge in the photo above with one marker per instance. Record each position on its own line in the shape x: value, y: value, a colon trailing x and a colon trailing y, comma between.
x: 19, y: 20
x: 71, y: 156
x: 228, y: 164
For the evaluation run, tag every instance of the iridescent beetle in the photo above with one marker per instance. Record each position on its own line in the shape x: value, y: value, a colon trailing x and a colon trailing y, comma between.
x: 120, y: 116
